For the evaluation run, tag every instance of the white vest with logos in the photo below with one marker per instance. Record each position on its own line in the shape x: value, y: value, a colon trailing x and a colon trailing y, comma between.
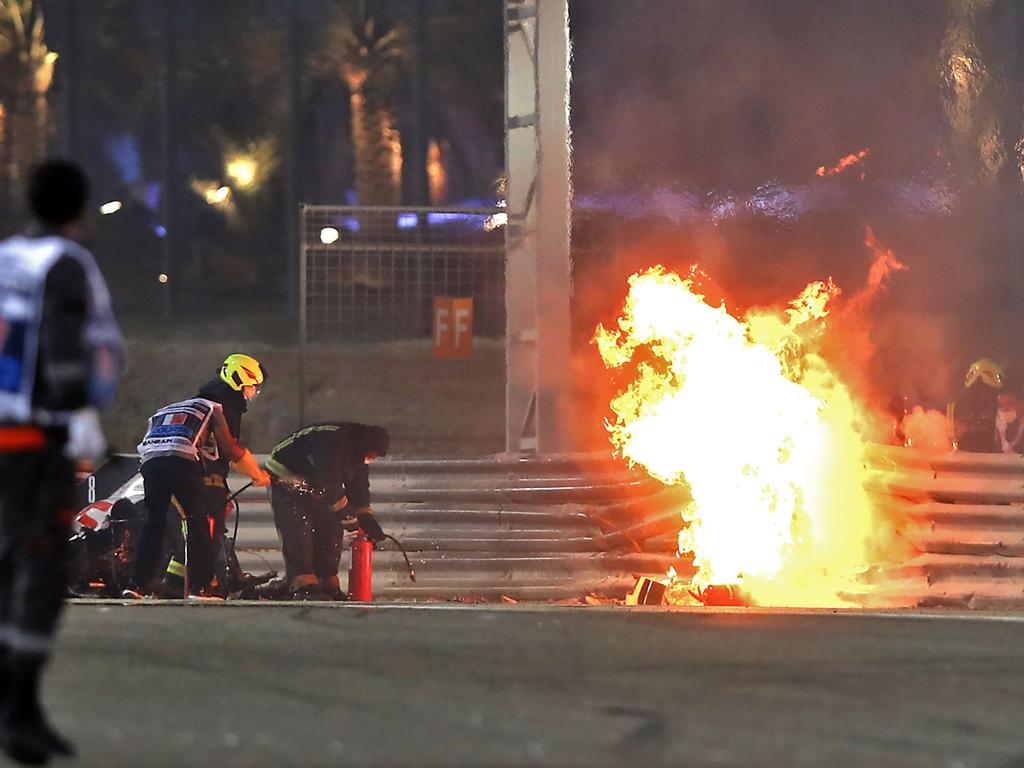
x: 180, y: 429
x: 25, y: 263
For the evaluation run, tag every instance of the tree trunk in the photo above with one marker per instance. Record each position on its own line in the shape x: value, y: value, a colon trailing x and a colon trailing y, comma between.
x: 378, y: 150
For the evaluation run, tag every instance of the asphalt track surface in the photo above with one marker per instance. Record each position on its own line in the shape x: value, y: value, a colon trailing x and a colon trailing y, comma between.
x: 237, y: 685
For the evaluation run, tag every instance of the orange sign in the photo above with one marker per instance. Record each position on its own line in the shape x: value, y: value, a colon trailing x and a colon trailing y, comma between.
x: 453, y: 327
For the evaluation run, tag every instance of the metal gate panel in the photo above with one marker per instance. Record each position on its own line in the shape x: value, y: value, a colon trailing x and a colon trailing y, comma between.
x: 371, y: 274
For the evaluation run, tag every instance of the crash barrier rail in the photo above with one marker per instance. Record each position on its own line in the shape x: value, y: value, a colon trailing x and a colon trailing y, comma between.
x: 961, y: 516
x: 563, y: 527
x: 372, y: 273
x: 555, y: 528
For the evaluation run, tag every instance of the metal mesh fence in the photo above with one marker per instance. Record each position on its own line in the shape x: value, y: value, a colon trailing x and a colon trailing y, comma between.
x: 371, y: 274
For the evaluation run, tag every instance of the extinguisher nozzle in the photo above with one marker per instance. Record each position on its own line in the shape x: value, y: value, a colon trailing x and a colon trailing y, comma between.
x: 412, y: 573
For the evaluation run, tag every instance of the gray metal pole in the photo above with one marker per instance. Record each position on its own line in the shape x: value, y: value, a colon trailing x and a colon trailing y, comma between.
x: 538, y: 281
x: 554, y: 220
x: 303, y: 314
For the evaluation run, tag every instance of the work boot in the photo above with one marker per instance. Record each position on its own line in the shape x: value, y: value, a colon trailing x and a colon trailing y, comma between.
x: 22, y: 746
x: 25, y: 734
x: 243, y: 580
x: 309, y: 592
x: 27, y: 738
x: 331, y: 588
x: 275, y: 589
x: 168, y: 590
x: 306, y: 586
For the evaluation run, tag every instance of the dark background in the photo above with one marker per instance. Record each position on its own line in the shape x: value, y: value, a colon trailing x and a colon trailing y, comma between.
x: 698, y: 127
x: 703, y: 123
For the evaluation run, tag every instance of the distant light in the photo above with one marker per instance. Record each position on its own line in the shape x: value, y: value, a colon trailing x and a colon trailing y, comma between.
x: 407, y: 220
x: 329, y: 235
x: 351, y: 223
x: 496, y: 221
x: 218, y: 196
x: 242, y: 170
x: 112, y: 207
x: 160, y: 230
x: 163, y: 278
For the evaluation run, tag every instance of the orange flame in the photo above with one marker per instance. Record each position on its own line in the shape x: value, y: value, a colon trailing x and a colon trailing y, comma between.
x: 843, y: 164
x: 751, y: 416
x: 885, y: 264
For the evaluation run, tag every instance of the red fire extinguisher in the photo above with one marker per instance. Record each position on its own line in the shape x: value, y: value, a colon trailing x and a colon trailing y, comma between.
x: 360, y: 575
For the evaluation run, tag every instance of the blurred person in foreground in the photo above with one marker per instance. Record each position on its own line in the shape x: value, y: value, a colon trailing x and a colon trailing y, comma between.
x: 320, y: 487
x: 237, y: 383
x: 61, y: 356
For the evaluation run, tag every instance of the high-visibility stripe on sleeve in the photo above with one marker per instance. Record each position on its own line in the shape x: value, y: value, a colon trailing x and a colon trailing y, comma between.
x: 275, y: 467
x: 25, y: 641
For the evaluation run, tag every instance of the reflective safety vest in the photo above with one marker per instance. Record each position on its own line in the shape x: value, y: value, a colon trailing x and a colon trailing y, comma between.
x: 181, y: 429
x: 25, y: 263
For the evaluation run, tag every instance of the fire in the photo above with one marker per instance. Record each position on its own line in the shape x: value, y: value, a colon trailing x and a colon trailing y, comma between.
x: 751, y: 416
x: 843, y: 164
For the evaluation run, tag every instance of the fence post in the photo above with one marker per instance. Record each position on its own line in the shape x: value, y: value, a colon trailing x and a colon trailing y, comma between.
x: 303, y: 313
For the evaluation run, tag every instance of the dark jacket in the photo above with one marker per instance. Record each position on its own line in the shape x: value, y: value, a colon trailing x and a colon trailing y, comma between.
x: 64, y: 365
x: 330, y: 459
x: 234, y: 405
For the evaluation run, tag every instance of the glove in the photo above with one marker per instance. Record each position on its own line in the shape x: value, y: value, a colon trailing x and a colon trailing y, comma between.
x: 85, y: 436
x: 247, y: 466
x: 369, y: 525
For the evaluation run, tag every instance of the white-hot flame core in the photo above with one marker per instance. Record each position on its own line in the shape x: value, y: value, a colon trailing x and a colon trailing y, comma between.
x: 760, y: 428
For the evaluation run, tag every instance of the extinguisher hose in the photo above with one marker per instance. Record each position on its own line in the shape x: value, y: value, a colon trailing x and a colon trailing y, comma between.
x: 233, y: 499
x: 412, y: 573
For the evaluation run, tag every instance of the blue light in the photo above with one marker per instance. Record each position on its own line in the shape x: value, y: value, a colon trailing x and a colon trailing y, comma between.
x: 160, y: 231
x: 151, y: 196
x: 351, y: 223
x: 408, y: 220
x: 475, y: 220
x: 123, y: 150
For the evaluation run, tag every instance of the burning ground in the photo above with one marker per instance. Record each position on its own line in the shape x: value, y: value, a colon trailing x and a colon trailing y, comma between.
x: 767, y: 418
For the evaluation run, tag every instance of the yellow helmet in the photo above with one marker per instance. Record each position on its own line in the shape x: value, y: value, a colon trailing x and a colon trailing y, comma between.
x: 987, y: 370
x: 241, y: 371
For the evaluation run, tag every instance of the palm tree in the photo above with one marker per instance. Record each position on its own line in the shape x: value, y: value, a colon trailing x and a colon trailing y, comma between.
x: 26, y: 73
x: 369, y: 56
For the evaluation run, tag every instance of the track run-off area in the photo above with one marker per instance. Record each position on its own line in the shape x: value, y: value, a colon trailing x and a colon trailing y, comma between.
x: 430, y: 684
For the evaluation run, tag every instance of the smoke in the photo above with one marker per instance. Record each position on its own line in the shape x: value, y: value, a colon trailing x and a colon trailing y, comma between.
x: 927, y: 431
x: 698, y: 128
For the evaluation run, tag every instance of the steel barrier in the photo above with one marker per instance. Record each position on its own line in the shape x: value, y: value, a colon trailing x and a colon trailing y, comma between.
x: 961, y: 516
x: 563, y: 527
x: 558, y: 527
